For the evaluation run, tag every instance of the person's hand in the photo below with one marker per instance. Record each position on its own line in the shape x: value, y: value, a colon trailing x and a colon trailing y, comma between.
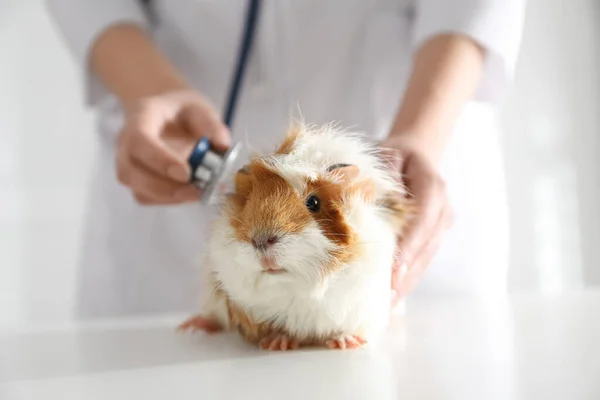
x: 427, y: 192
x: 156, y: 140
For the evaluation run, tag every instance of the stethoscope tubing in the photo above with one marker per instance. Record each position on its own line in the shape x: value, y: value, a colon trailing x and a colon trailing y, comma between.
x: 202, y: 147
x: 252, y: 14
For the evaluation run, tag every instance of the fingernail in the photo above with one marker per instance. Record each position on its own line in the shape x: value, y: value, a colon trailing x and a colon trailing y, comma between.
x: 177, y: 173
x: 222, y: 140
x: 222, y: 145
x: 225, y: 141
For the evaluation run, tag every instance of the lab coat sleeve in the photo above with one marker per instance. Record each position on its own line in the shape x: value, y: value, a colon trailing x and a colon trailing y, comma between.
x: 496, y: 25
x: 82, y: 21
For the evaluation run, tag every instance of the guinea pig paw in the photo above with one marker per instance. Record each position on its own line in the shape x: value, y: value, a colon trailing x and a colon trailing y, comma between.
x: 198, y: 323
x: 278, y: 341
x: 345, y: 342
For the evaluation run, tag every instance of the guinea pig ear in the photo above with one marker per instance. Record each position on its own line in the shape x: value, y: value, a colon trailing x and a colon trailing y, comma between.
x: 346, y: 172
x: 367, y: 188
x: 243, y: 181
x: 289, y: 142
x: 348, y: 175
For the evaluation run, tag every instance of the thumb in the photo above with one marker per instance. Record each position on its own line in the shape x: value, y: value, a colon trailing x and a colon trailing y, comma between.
x: 202, y: 122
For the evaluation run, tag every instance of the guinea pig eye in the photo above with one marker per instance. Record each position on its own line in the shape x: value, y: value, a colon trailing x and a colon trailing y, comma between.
x: 313, y: 204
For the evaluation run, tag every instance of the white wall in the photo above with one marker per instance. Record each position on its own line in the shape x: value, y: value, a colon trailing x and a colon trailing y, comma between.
x: 46, y: 142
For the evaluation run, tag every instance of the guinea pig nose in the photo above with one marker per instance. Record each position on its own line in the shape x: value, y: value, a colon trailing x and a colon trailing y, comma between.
x: 264, y: 242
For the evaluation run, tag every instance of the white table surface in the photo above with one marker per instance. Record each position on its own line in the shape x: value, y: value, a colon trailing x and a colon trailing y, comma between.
x: 523, y: 347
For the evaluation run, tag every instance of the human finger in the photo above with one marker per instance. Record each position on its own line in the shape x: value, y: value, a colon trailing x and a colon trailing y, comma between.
x: 144, y: 141
x: 203, y: 121
x: 429, y: 203
x: 151, y: 186
x: 404, y: 283
x: 145, y: 200
x: 150, y: 150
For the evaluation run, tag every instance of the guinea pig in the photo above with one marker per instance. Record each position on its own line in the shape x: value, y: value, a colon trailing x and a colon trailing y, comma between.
x: 301, y: 253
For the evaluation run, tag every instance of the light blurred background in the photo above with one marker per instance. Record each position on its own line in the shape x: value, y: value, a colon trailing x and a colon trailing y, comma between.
x: 551, y: 123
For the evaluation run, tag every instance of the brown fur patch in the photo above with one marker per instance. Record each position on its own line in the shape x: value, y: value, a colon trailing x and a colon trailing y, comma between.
x: 271, y: 206
x: 333, y: 193
x: 348, y: 175
x: 331, y: 219
x: 248, y: 329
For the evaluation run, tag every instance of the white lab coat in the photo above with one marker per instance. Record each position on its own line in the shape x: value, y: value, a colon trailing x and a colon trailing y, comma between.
x: 345, y: 60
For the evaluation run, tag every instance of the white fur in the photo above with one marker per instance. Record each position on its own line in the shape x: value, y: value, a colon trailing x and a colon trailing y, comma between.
x: 305, y: 301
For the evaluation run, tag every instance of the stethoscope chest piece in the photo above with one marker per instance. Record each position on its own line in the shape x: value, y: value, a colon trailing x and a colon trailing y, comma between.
x: 210, y: 169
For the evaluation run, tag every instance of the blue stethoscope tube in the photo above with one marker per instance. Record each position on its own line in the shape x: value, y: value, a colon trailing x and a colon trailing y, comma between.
x: 203, y: 163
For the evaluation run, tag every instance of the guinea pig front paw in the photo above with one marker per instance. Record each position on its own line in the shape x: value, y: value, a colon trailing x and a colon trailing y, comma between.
x: 279, y: 341
x: 199, y: 323
x: 344, y: 342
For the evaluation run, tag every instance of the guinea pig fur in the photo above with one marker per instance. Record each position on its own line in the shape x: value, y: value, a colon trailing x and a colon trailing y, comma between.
x: 302, y: 251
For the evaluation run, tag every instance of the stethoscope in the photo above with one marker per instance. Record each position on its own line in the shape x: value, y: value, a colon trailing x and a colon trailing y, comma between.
x: 209, y: 168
